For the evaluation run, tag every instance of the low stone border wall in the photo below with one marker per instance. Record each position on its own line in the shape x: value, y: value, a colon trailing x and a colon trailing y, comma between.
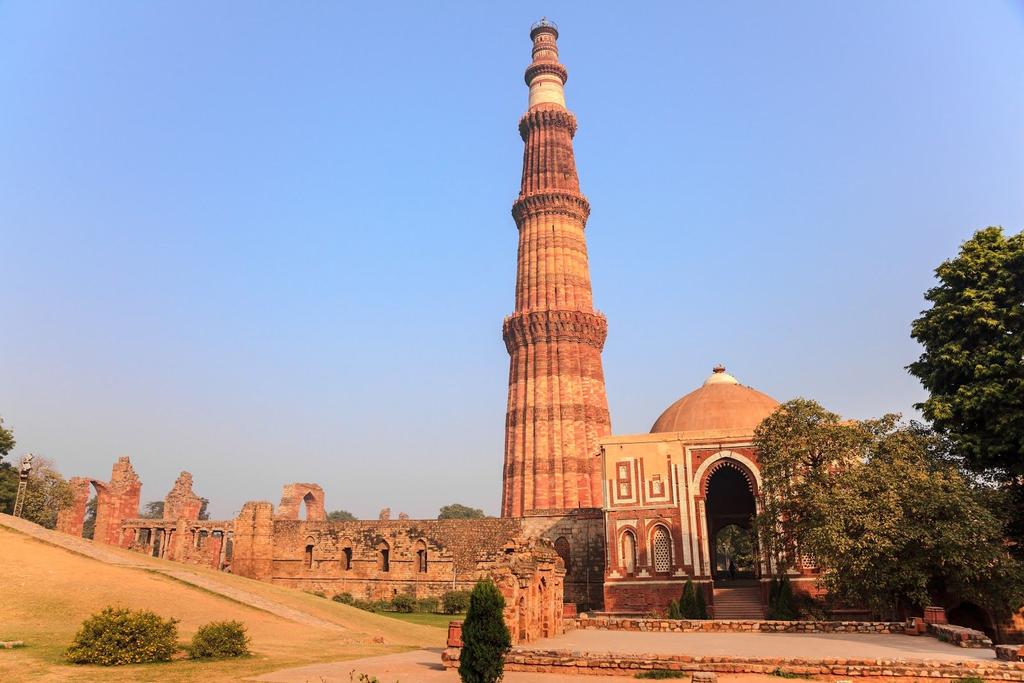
x: 959, y: 635
x: 699, y: 625
x: 581, y: 664
x: 1010, y: 653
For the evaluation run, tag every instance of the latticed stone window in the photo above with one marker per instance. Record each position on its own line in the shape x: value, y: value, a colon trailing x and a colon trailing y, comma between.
x: 662, y: 550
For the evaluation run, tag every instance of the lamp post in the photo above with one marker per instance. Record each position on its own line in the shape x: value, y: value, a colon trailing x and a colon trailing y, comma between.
x: 26, y: 469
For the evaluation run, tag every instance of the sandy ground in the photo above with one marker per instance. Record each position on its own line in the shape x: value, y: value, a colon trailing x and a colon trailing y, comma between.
x: 46, y: 592
x: 772, y: 645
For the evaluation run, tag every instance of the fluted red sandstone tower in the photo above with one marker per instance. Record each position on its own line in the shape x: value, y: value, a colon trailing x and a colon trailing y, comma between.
x: 557, y: 407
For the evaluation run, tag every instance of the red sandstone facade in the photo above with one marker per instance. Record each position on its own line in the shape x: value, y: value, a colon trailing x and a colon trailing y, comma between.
x: 557, y: 407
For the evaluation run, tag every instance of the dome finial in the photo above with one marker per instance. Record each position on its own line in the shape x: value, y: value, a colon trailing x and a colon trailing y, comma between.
x: 718, y: 369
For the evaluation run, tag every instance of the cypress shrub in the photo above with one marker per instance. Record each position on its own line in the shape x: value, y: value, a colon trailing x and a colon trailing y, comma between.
x: 122, y: 636
x: 219, y: 639
x: 781, y: 604
x: 700, y: 605
x: 673, y: 609
x: 688, y: 601
x: 485, y: 637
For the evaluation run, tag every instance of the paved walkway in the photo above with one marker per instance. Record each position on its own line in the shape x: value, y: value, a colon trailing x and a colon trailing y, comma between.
x: 424, y: 666
x: 768, y: 645
x: 84, y: 546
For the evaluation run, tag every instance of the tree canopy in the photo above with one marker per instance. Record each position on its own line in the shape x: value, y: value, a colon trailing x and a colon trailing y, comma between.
x: 459, y: 511
x: 46, y: 494
x: 972, y: 364
x: 340, y: 516
x: 883, y: 510
x: 154, y: 509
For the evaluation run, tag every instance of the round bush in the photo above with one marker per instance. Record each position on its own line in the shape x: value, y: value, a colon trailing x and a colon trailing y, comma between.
x: 455, y: 602
x: 122, y: 636
x: 427, y: 605
x: 219, y: 639
x: 403, y: 603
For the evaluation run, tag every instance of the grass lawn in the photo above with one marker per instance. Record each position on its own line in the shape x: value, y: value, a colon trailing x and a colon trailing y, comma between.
x: 425, y: 618
x: 47, y: 592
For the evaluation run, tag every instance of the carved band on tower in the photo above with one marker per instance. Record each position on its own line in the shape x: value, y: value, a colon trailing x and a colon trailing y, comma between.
x: 557, y: 406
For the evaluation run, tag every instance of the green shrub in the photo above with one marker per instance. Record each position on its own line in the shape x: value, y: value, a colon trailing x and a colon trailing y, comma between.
x: 344, y: 598
x: 403, y: 603
x: 673, y: 609
x: 430, y: 605
x: 659, y: 674
x: 219, y: 639
x: 319, y: 594
x: 455, y: 602
x: 485, y: 637
x: 122, y: 636
x: 781, y: 605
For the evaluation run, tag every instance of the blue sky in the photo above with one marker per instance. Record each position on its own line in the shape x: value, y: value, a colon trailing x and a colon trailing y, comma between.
x: 271, y: 242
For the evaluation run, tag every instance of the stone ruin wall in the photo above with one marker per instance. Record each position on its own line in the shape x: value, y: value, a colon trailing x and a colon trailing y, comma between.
x: 116, y: 500
x: 578, y: 537
x: 372, y: 560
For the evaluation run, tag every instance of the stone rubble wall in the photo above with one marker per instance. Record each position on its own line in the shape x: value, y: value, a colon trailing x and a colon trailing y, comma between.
x: 604, y: 664
x: 959, y: 635
x: 738, y: 626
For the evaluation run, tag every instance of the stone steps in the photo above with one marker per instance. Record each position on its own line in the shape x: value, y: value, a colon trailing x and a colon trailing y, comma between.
x: 738, y: 603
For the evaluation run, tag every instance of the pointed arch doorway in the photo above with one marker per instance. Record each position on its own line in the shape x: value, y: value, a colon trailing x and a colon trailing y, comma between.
x: 730, y: 507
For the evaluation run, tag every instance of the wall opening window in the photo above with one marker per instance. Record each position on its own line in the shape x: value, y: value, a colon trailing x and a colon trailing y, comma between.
x: 383, y: 557
x: 562, y: 548
x: 628, y: 559
x: 346, y: 559
x: 309, y: 556
x: 421, y: 557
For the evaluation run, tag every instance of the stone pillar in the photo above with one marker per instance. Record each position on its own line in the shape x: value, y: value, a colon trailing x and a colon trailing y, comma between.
x: 71, y: 519
x: 253, y: 544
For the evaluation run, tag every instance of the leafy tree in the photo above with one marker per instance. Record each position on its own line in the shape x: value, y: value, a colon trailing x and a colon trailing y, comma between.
x: 973, y: 360
x: 485, y: 637
x: 733, y: 544
x: 46, y: 494
x: 8, y: 474
x: 7, y: 441
x: 883, y: 511
x: 340, y: 516
x: 8, y: 487
x: 89, y: 521
x: 459, y: 511
x: 154, y: 509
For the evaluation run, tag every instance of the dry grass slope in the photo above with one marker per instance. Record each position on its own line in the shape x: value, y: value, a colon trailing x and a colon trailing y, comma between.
x: 47, y: 591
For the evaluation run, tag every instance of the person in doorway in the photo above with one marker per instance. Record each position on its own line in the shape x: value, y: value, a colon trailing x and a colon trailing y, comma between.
x: 732, y: 569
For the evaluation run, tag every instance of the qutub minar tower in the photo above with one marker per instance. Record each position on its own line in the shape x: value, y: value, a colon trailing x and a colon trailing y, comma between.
x: 557, y: 406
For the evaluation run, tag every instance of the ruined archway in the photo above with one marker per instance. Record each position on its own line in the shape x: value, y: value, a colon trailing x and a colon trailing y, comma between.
x: 969, y: 615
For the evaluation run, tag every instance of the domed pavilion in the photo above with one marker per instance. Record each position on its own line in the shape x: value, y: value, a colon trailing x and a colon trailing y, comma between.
x: 679, y: 501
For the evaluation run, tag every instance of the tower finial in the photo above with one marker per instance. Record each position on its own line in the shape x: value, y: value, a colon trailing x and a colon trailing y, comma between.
x: 545, y: 75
